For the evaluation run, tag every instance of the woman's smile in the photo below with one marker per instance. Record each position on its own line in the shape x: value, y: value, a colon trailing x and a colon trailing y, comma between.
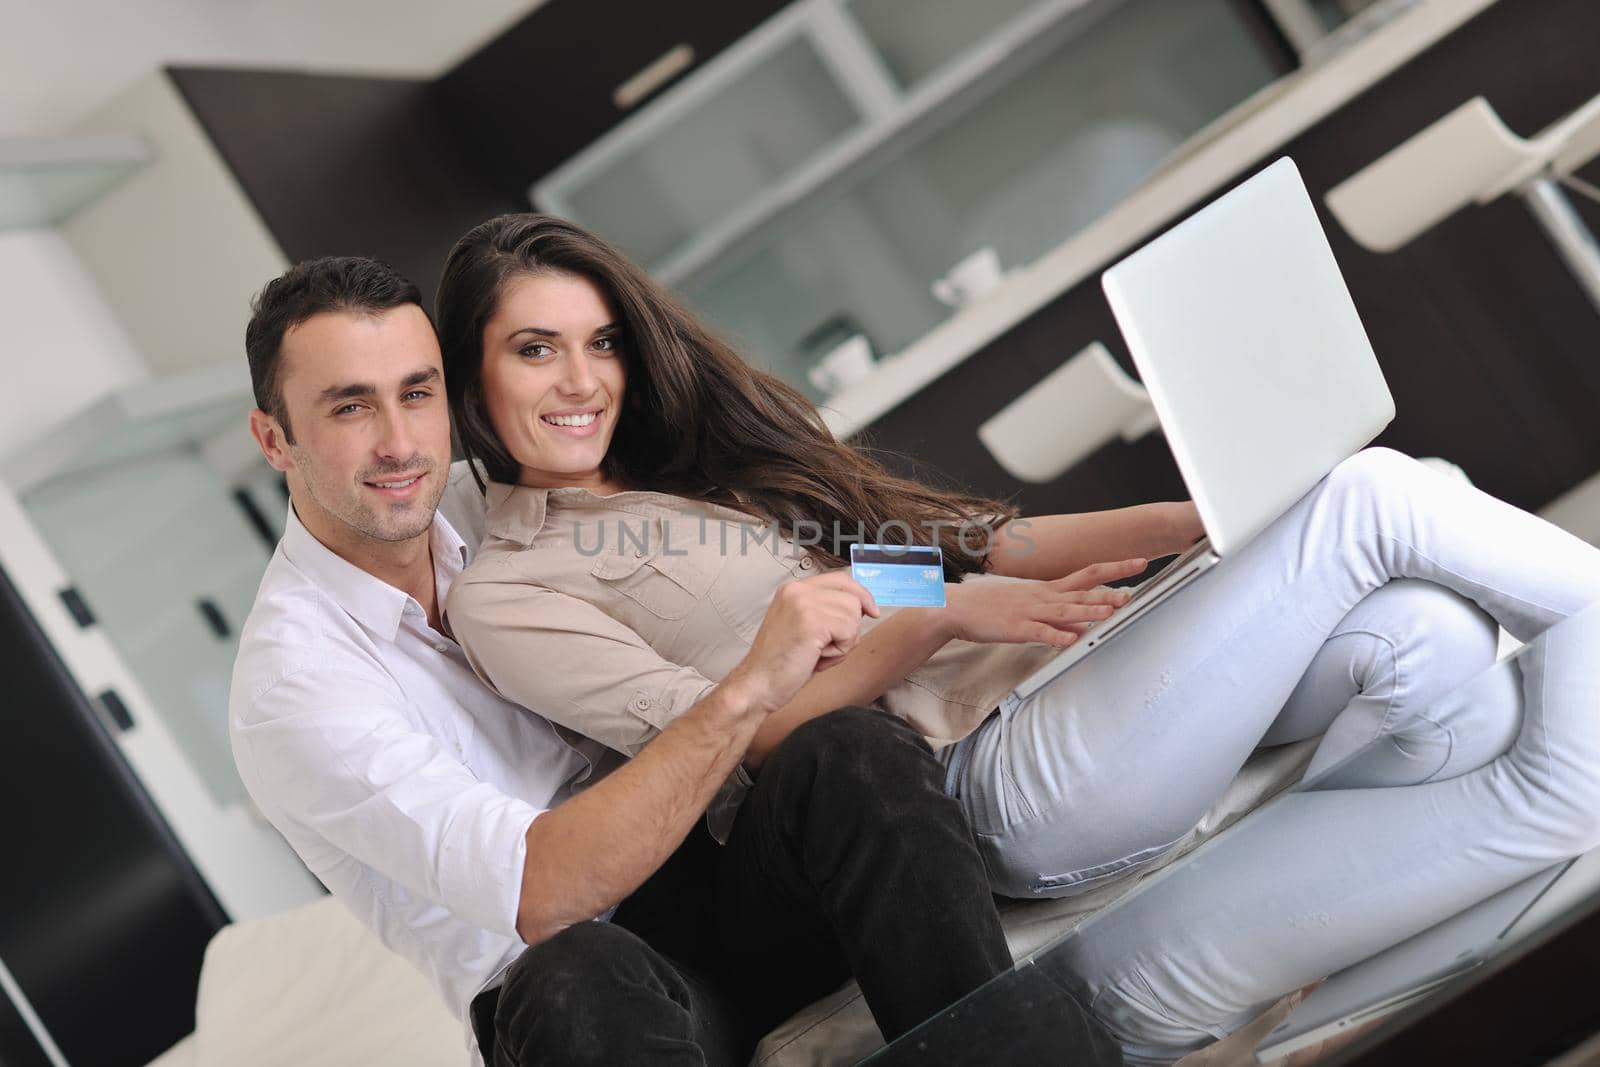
x: 581, y: 423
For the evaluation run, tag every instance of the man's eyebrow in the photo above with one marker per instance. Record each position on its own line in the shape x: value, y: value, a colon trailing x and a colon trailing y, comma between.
x: 346, y: 392
x: 356, y: 390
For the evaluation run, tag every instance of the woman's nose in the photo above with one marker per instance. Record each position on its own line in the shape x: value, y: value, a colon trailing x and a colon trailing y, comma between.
x: 577, y: 378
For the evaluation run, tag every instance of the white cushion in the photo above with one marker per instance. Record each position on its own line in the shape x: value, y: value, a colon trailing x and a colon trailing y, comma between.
x: 312, y: 987
x: 179, y: 1055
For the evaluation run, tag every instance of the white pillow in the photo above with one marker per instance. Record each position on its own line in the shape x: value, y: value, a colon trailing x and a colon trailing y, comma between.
x: 312, y: 987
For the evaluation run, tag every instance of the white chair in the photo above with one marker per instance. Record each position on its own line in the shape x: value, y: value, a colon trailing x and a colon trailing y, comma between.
x: 1470, y: 157
x: 1068, y: 414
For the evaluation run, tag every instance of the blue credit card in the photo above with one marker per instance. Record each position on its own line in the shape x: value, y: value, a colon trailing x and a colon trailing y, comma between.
x: 900, y: 576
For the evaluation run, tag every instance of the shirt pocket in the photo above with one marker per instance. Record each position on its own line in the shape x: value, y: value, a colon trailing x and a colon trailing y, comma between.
x: 744, y: 590
x: 655, y: 574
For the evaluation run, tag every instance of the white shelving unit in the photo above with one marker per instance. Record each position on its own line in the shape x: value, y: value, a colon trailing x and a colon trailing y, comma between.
x: 811, y: 181
x: 883, y: 111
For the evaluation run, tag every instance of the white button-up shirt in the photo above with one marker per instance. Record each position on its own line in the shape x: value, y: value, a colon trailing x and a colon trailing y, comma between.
x: 404, y: 783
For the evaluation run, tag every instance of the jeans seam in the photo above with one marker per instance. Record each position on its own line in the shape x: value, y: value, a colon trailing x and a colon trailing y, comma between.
x: 1084, y: 877
x: 1380, y: 535
x: 1449, y: 750
x: 1395, y: 660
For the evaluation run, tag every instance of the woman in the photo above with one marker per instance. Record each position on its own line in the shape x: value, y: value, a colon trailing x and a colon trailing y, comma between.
x: 630, y: 454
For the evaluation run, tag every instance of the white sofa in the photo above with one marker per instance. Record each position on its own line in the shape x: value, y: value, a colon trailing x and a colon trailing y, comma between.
x: 312, y: 987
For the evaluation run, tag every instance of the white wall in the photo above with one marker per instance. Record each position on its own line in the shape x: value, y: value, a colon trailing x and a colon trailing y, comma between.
x: 61, y: 346
x: 60, y: 59
x: 176, y: 247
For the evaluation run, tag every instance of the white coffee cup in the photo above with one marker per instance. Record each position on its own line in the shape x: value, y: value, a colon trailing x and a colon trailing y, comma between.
x: 844, y: 365
x: 974, y: 276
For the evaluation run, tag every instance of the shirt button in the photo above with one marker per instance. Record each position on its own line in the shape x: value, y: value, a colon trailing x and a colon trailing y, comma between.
x: 638, y: 553
x: 641, y: 704
x: 441, y: 648
x: 805, y: 564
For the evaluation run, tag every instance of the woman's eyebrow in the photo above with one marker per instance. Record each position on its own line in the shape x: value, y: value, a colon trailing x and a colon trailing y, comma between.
x: 544, y: 331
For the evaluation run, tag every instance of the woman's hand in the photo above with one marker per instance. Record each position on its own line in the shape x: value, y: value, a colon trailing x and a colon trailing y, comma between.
x: 810, y: 625
x: 1052, y: 613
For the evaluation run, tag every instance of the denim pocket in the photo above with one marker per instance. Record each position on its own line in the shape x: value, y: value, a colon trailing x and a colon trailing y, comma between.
x: 1086, y: 878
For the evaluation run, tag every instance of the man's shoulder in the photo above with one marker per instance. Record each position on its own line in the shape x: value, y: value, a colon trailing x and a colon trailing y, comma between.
x: 296, y: 629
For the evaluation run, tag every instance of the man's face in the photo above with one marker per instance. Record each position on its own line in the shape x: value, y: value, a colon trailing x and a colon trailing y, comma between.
x: 364, y: 396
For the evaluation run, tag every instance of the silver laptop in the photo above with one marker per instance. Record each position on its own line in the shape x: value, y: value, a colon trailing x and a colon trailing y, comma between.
x: 1416, y: 968
x: 1245, y: 336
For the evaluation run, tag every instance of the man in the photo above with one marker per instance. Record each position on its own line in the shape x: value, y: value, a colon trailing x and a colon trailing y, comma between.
x: 480, y: 844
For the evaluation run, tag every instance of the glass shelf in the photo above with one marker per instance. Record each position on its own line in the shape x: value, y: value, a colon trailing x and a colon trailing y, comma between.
x: 915, y: 48
x: 655, y: 196
x: 44, y: 180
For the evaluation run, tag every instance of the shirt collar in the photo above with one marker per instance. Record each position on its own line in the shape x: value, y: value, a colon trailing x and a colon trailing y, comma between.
x: 371, y: 601
x: 515, y: 512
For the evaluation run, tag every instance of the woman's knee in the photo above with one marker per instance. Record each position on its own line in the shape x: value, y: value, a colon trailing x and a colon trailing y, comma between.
x: 1440, y: 635
x: 1375, y: 464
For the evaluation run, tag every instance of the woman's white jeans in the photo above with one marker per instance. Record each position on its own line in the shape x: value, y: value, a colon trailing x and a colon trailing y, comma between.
x: 1366, y: 613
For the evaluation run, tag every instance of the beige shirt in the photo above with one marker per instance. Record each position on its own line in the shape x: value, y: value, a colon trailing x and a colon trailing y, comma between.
x: 613, y: 615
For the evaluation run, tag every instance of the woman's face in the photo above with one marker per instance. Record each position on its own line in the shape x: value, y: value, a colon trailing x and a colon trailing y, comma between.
x: 553, y: 378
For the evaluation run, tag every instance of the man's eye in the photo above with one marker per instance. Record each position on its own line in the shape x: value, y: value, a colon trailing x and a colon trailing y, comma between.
x: 347, y: 409
x: 418, y: 394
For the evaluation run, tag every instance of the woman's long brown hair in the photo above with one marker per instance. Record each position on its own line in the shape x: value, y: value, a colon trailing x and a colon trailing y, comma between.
x: 698, y: 421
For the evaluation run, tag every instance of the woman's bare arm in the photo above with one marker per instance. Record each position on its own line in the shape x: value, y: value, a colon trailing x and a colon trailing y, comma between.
x: 1049, y: 546
x: 1011, y: 612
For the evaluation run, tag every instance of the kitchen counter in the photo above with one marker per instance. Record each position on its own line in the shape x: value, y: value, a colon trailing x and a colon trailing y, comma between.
x: 1206, y: 162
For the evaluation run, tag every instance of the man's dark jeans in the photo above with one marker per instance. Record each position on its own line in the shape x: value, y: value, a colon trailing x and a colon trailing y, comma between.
x: 847, y: 859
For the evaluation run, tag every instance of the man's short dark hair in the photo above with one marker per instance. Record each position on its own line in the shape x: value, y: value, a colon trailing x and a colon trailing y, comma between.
x: 310, y: 287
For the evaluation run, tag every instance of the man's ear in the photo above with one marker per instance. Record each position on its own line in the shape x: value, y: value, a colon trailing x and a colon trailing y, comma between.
x: 269, y: 437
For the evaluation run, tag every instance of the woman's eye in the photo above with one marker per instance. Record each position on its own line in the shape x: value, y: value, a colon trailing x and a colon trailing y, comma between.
x: 534, y: 351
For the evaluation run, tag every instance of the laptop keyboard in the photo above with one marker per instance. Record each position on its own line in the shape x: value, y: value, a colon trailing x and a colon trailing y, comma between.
x: 1153, y: 584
